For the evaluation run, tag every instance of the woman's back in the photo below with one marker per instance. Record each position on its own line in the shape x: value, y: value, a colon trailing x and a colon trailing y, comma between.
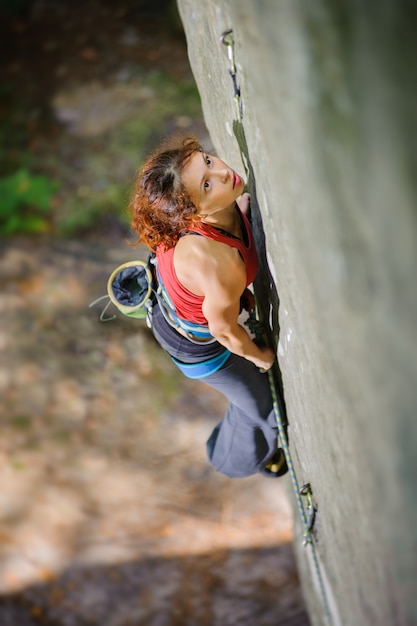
x: 203, y: 254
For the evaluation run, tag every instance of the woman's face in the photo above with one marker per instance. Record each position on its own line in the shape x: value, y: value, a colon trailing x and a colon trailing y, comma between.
x: 212, y: 185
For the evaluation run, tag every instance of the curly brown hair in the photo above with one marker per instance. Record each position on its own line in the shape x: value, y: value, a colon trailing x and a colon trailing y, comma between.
x: 160, y: 206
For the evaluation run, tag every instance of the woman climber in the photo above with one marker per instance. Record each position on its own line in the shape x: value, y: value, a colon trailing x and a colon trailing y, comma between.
x: 187, y: 207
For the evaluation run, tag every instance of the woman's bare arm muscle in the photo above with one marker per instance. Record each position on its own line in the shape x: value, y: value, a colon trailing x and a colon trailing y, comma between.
x: 223, y: 284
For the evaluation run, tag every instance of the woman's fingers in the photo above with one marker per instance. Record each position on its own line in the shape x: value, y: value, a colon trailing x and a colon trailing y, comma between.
x: 268, y: 359
x: 244, y: 203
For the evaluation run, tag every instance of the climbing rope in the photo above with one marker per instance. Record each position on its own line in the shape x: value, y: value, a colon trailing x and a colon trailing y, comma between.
x: 307, y: 516
x: 307, y: 520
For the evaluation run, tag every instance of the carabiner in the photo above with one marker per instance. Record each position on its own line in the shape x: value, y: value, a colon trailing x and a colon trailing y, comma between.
x: 227, y: 39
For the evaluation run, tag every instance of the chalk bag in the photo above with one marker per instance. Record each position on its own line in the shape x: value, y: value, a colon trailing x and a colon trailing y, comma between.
x: 130, y: 287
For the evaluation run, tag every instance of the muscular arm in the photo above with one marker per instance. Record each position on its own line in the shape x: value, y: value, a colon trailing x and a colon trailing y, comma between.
x: 225, y: 281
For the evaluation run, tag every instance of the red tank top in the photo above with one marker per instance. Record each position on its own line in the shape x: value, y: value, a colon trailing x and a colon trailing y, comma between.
x: 187, y: 304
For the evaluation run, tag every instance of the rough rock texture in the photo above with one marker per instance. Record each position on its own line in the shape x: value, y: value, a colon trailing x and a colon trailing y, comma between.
x: 328, y: 93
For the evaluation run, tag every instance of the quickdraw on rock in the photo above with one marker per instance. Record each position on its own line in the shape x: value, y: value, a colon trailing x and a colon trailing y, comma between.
x: 227, y: 39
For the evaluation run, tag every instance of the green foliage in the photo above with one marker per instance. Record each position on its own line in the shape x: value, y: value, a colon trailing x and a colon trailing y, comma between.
x: 25, y: 202
x: 21, y: 422
x: 101, y: 191
x: 15, y: 7
x: 94, y: 196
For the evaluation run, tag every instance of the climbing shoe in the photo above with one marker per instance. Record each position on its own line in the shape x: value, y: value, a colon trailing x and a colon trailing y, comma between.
x: 277, y: 465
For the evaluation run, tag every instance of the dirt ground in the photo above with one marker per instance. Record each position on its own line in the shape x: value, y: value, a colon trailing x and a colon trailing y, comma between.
x: 109, y: 512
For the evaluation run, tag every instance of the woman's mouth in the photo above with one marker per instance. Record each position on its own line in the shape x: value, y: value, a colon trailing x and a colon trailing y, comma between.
x: 236, y: 180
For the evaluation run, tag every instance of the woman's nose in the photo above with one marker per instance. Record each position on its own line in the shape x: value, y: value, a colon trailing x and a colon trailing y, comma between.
x: 223, y: 173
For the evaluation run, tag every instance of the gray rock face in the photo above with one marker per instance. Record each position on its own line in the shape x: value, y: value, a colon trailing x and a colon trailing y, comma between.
x: 328, y: 105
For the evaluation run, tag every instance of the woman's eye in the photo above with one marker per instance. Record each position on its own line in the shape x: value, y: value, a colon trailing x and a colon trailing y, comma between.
x: 206, y: 185
x: 208, y: 160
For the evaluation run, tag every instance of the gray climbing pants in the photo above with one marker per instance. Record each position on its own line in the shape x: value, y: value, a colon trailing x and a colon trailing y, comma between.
x: 246, y: 438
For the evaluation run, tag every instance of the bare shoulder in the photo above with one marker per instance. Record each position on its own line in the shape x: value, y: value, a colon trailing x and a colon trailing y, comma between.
x: 199, y: 262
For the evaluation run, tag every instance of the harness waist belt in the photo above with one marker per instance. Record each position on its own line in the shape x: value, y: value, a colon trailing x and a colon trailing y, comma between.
x: 199, y: 331
x: 204, y: 368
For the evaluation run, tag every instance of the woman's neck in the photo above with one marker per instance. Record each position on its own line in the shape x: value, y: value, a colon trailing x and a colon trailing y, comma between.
x: 227, y: 219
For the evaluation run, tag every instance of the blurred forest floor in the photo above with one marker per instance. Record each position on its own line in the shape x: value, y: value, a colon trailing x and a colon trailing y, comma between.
x: 109, y: 512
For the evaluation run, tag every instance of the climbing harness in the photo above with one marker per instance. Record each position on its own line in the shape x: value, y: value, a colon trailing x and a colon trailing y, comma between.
x: 308, y: 515
x: 134, y: 288
x: 202, y: 368
x: 196, y: 333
